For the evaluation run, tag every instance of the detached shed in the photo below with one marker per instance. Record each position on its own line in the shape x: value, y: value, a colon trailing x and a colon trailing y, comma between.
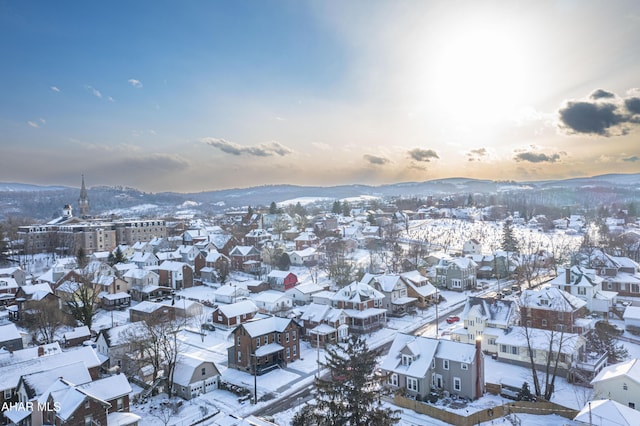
x: 631, y: 317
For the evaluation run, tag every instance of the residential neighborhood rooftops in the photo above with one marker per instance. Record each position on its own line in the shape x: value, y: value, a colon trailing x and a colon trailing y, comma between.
x: 630, y: 369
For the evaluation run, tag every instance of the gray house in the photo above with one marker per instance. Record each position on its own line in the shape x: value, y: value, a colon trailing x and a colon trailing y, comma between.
x: 456, y: 274
x: 420, y: 365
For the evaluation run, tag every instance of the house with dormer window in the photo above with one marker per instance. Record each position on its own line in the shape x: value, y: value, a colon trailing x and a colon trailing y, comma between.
x: 550, y: 308
x: 363, y: 305
x: 457, y: 274
x: 396, y: 299
x: 586, y: 284
x: 418, y: 365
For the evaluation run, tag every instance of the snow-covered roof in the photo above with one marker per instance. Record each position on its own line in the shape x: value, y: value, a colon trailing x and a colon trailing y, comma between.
x: 628, y: 369
x: 109, y: 388
x: 306, y: 288
x: 118, y: 335
x: 9, y: 332
x: 279, y: 274
x: 421, y: 349
x: 138, y: 273
x: 259, y: 327
x: 21, y: 355
x: 497, y: 312
x: 578, y: 276
x: 240, y: 308
x: 172, y: 265
x: 10, y: 374
x: 309, y: 251
x: 551, y: 298
x: 456, y: 351
x: 117, y: 296
x: 606, y: 412
x: 147, y: 306
x: 269, y: 296
x: 77, y: 332
x: 539, y: 339
x: 37, y: 383
x: 357, y: 292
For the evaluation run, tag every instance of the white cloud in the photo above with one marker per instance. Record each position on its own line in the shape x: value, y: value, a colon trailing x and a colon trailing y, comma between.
x: 33, y: 124
x: 135, y: 83
x: 54, y: 89
x: 110, y: 99
x: 95, y: 92
x: 43, y: 121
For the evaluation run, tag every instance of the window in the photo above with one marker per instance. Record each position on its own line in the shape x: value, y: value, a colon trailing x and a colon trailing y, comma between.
x: 286, y: 337
x: 445, y: 364
x: 457, y: 384
x: 257, y: 342
x: 560, y: 315
x: 433, y: 363
x: 7, y: 394
x: 238, y: 340
x: 582, y: 291
x: 266, y: 339
x: 294, y: 334
x: 87, y: 420
x: 632, y: 405
x: 407, y: 359
x: 609, y: 285
x: 492, y: 341
x: 412, y: 384
x: 470, y: 336
x: 239, y: 356
x: 470, y: 323
x: 559, y: 327
x: 514, y: 350
x: 503, y: 348
x: 625, y: 387
x: 295, y: 350
x: 393, y: 379
x: 87, y: 403
x: 464, y: 366
x: 204, y: 371
x: 120, y: 404
x: 288, y: 352
x: 544, y: 322
x: 279, y: 335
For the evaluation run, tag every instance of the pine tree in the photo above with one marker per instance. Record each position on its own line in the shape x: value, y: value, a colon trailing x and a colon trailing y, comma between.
x: 273, y: 208
x: 524, y: 394
x: 351, y: 394
x: 603, y: 338
x: 509, y: 242
x: 336, y: 208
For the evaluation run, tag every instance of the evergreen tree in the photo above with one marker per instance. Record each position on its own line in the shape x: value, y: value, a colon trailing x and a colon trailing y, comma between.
x: 81, y: 258
x: 351, y: 394
x: 524, y: 394
x: 509, y: 242
x: 273, y: 208
x: 346, y: 209
x: 118, y: 256
x: 337, y: 208
x: 603, y: 338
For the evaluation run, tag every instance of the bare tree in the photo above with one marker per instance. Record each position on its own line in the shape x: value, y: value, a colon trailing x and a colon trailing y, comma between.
x: 44, y: 318
x: 81, y: 301
x: 336, y: 262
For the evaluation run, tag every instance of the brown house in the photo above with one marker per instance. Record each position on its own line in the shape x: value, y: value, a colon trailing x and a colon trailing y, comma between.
x: 264, y: 344
x: 234, y: 314
x: 177, y: 275
x: 550, y: 308
x: 241, y: 255
x: 151, y: 312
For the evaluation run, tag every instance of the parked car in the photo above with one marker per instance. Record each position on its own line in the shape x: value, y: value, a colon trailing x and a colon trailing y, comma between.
x: 452, y: 318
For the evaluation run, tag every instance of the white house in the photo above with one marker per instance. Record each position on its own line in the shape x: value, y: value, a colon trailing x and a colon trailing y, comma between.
x: 272, y: 301
x: 195, y: 375
x: 619, y: 382
x: 302, y: 294
x: 631, y: 317
x: 587, y: 285
x: 605, y: 412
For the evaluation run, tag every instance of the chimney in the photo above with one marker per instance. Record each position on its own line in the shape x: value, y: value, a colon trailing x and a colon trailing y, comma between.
x: 479, y: 368
x: 40, y: 351
x: 567, y: 275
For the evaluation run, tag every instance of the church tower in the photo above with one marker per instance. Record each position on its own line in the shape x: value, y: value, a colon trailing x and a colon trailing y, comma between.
x: 83, y: 201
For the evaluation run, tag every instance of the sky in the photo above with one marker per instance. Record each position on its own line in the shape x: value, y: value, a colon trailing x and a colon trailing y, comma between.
x: 202, y: 95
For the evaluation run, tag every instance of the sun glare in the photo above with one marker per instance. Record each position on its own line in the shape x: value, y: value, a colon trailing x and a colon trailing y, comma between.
x: 479, y: 75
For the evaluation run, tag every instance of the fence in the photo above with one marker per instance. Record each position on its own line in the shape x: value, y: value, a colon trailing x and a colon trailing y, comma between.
x: 483, y: 415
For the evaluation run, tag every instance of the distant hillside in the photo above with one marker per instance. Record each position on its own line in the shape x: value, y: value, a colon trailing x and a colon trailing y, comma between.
x: 45, y: 202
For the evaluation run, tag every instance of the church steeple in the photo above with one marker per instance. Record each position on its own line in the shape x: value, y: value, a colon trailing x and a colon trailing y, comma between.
x: 83, y: 201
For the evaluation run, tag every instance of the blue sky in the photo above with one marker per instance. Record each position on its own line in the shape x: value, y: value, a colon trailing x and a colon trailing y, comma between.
x: 198, y: 95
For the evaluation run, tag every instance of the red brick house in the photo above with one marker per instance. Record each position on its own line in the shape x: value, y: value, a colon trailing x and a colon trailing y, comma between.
x: 264, y: 343
x: 241, y: 256
x: 550, y: 308
x: 177, y: 275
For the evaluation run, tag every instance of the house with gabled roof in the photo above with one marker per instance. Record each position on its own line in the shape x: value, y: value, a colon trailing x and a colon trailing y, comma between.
x: 65, y: 402
x: 272, y: 301
x: 282, y: 280
x: 418, y: 364
x: 10, y: 337
x: 144, y: 259
x: 305, y: 257
x: 305, y: 240
x: 245, y: 258
x: 177, y: 275
x: 586, y: 284
x: 551, y: 308
x: 487, y: 318
x: 16, y: 273
x: 234, y: 314
x: 324, y: 324
x: 363, y: 305
x: 396, y: 300
x: 114, y: 344
x: 619, y: 382
x: 231, y: 292
x: 458, y: 273
x: 419, y: 287
x: 264, y: 344
x: 302, y: 294
x: 195, y: 374
x: 606, y: 412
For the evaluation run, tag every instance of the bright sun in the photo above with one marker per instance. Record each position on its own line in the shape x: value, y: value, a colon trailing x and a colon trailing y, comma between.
x: 480, y: 74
